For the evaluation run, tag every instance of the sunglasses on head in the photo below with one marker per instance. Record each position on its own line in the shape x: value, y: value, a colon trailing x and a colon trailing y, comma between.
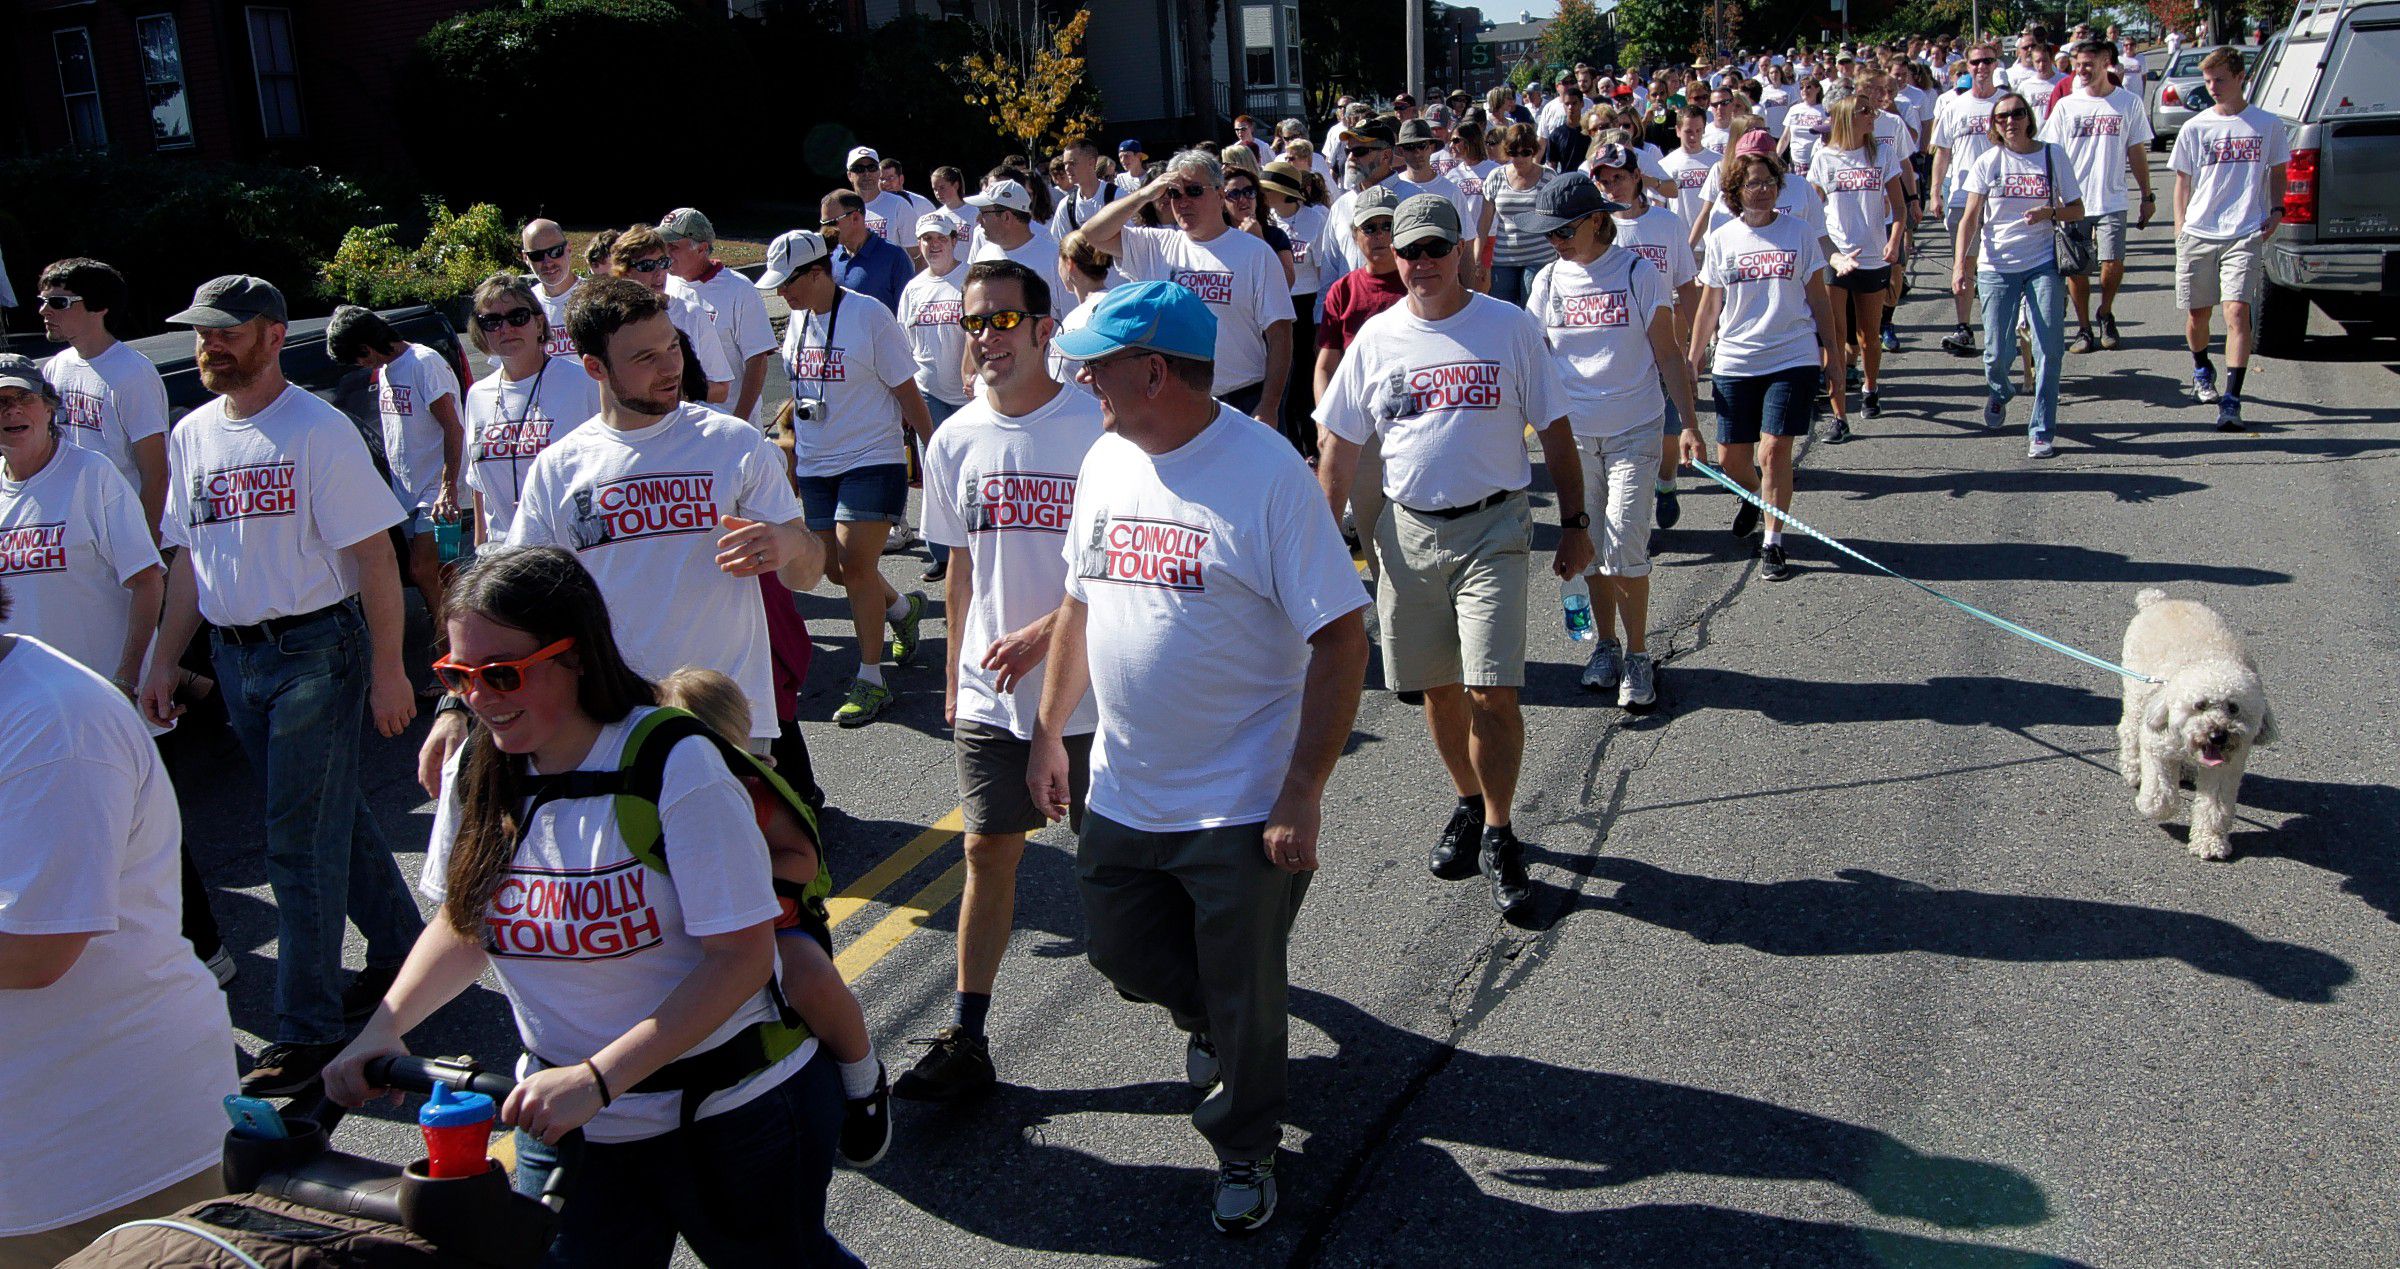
x: 1429, y: 249
x: 502, y: 677
x: 489, y: 322
x: 1186, y: 191
x: 60, y: 302
x: 539, y: 254
x: 652, y: 265
x: 1004, y: 319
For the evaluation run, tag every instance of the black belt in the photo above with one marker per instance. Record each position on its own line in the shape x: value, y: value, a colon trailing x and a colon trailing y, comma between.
x: 273, y: 628
x: 1453, y: 513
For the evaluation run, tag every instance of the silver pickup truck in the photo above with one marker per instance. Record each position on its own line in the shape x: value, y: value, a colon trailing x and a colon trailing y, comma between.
x: 2333, y: 77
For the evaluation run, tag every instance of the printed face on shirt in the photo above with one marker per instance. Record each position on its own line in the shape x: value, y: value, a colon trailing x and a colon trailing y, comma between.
x: 636, y: 508
x: 1011, y: 501
x: 244, y: 492
x: 1605, y: 310
x: 1410, y: 392
x: 1157, y: 554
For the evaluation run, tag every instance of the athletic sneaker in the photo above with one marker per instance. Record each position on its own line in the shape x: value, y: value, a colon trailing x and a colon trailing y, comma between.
x: 1995, y: 413
x: 1200, y: 1061
x: 1606, y: 664
x: 905, y: 630
x: 1774, y: 567
x: 2041, y: 449
x: 1854, y: 377
x: 902, y: 538
x: 1874, y: 404
x: 1638, y: 691
x: 1837, y: 431
x: 863, y: 704
x: 366, y: 991
x: 2229, y: 414
x: 1960, y: 342
x: 2108, y: 330
x: 2204, y: 385
x: 1745, y: 520
x: 1245, y: 1198
x: 1453, y: 854
x: 955, y: 1065
x: 1502, y: 862
x: 2084, y: 342
x: 221, y: 967
x: 287, y: 1070
x: 1670, y: 509
x: 866, y: 1134
x: 1891, y: 340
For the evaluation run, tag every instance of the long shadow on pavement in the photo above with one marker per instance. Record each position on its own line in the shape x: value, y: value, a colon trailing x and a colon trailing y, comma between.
x: 2045, y: 562
x: 1858, y: 912
x: 2124, y: 486
x: 989, y: 1170
x: 1957, y: 700
x: 2346, y: 829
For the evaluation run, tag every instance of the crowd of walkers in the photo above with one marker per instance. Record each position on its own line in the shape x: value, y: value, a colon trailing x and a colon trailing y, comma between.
x: 1163, y: 416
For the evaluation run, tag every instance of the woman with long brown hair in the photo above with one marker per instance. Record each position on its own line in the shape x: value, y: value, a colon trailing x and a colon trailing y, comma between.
x: 642, y: 994
x: 1858, y: 176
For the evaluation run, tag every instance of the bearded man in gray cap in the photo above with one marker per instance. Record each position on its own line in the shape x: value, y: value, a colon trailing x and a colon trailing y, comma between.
x: 282, y: 523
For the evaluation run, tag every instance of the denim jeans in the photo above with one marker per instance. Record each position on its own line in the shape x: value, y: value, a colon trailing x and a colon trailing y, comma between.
x: 297, y: 704
x: 2044, y: 298
x: 746, y: 1187
x: 1513, y: 282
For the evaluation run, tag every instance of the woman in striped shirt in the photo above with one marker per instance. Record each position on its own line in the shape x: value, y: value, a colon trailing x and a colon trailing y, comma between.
x: 1508, y: 194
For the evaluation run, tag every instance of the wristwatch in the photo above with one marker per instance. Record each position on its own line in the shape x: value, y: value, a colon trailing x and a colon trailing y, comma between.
x: 1579, y: 520
x: 450, y: 704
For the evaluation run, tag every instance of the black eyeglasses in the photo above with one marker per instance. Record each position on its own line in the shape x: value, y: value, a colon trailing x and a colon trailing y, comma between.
x: 539, y: 254
x: 2012, y: 114
x: 652, y: 265
x: 1428, y: 249
x: 1003, y: 319
x: 489, y: 322
x: 862, y: 169
x: 1983, y: 61
x: 828, y: 224
x: 60, y: 303
x: 1523, y: 151
x: 1186, y: 191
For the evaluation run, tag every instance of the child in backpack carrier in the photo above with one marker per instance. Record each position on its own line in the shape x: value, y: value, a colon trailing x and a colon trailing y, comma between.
x: 803, y: 944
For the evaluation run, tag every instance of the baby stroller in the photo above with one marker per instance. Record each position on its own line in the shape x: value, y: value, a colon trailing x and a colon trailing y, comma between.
x: 298, y: 1203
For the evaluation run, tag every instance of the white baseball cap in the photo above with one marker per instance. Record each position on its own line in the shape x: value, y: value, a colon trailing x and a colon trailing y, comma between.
x: 939, y: 222
x: 861, y: 152
x: 792, y: 251
x: 1006, y: 194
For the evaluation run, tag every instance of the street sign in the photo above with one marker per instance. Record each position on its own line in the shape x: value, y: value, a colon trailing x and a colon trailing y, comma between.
x: 1479, y: 56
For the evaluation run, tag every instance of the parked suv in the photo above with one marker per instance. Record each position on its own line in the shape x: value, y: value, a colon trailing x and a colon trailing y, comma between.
x: 2179, y: 94
x: 2333, y: 78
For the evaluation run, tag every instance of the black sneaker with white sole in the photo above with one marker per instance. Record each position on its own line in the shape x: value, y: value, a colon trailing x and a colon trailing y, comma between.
x: 956, y: 1065
x: 1959, y: 343
x: 1502, y: 862
x: 1772, y: 563
x: 1745, y: 520
x: 866, y: 1134
x: 287, y: 1070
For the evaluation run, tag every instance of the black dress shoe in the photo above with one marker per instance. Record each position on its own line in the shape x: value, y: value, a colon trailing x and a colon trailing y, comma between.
x: 1453, y: 857
x: 1502, y: 861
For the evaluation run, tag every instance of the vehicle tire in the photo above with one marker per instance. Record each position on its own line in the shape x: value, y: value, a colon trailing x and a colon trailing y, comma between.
x: 2281, y: 321
x: 2159, y: 144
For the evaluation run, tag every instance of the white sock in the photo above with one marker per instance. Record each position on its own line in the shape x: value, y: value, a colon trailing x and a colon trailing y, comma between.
x: 869, y: 672
x: 858, y: 1078
x: 1775, y: 534
x: 899, y: 608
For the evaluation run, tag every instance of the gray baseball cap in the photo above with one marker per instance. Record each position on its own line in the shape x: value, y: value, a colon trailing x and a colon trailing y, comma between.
x: 21, y: 372
x: 1416, y: 132
x: 230, y: 301
x: 1374, y: 201
x: 1423, y: 216
x: 687, y: 224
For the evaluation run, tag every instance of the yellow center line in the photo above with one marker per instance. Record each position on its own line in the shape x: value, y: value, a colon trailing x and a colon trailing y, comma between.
x: 904, y: 920
x: 861, y: 892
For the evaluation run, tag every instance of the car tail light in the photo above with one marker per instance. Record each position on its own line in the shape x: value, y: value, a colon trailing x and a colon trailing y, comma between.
x: 2168, y: 96
x: 2300, y: 189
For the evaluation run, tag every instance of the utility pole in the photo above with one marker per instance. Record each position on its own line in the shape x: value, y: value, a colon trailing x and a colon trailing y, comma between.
x: 1416, y: 49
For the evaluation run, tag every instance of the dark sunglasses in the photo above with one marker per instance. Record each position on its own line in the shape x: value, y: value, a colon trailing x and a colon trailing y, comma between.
x: 1983, y: 61
x: 1380, y: 229
x: 1186, y: 191
x: 60, y: 303
x: 539, y: 254
x: 1429, y: 249
x: 2012, y: 114
x: 1004, y: 319
x: 489, y: 322
x: 862, y: 168
x: 1241, y: 191
x: 652, y: 265
x: 828, y: 224
x: 1522, y: 151
x: 502, y: 677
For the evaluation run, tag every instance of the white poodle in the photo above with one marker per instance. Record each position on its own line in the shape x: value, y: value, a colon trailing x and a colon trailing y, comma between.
x: 2201, y: 719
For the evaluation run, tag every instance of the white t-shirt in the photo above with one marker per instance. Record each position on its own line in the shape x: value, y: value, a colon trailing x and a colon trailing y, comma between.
x: 268, y: 504
x: 1205, y: 571
x: 1444, y: 186
x: 1075, y: 211
x: 1799, y: 198
x: 135, y: 1034
x: 1690, y: 172
x: 1063, y: 368
x: 2013, y: 184
x: 859, y: 423
x: 1038, y: 253
x: 1914, y: 107
x: 641, y: 509
x: 1004, y: 488
x: 1236, y: 275
x: 1774, y: 106
x: 894, y: 219
x: 108, y: 403
x: 1858, y: 204
x: 1806, y: 124
x: 739, y: 314
x: 2095, y: 132
x: 586, y: 940
x: 1765, y: 325
x: 1337, y: 250
x: 1306, y: 225
x: 1963, y: 123
x: 1596, y: 318
x: 1664, y: 239
x: 2227, y: 158
x: 405, y: 393
x: 699, y: 326
x: 509, y: 424
x: 1713, y: 136
x: 1451, y: 399
x: 929, y: 309
x: 70, y: 538
x: 2037, y: 89
x: 554, y: 307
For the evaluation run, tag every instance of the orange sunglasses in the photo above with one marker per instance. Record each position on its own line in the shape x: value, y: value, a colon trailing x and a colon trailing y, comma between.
x: 499, y: 676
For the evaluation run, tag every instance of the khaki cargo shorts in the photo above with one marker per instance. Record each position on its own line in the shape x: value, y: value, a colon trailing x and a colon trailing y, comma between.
x: 2209, y: 273
x: 1450, y: 603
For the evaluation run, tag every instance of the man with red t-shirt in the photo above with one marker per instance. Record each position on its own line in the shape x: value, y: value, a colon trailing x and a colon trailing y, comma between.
x: 1349, y: 302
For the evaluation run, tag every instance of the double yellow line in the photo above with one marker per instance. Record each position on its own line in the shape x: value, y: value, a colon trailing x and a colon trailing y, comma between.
x: 910, y: 914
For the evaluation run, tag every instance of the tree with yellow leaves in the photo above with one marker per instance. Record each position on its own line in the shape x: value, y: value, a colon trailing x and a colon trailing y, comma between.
x: 1030, y: 79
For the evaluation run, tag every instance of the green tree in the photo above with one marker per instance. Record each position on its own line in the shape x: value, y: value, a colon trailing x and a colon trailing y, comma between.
x: 1580, y: 33
x: 1667, y: 30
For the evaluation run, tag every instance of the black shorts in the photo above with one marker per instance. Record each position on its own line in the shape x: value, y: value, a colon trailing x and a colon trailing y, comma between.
x: 991, y: 779
x: 1864, y: 281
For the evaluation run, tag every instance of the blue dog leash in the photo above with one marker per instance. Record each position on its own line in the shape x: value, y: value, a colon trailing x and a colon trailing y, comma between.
x: 2033, y: 636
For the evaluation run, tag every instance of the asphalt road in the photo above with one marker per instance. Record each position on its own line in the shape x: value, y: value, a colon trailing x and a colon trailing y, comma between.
x: 1854, y: 953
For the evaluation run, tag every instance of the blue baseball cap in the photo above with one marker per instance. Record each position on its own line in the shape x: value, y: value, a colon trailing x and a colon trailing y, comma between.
x: 1160, y: 316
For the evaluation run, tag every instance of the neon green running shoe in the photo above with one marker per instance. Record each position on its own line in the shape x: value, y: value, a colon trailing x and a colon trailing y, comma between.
x: 864, y: 704
x: 906, y: 630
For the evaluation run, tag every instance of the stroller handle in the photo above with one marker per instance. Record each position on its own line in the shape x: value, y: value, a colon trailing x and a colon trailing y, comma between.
x: 411, y: 1074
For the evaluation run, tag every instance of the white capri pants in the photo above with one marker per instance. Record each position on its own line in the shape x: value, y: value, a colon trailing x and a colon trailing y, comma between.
x: 1620, y: 475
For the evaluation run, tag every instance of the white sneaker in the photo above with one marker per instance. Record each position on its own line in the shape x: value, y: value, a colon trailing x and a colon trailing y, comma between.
x: 903, y: 538
x: 2040, y: 449
x: 1601, y: 672
x: 1638, y: 690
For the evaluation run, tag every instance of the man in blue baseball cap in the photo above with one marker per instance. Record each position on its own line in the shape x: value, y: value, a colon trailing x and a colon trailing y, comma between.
x: 1213, y: 616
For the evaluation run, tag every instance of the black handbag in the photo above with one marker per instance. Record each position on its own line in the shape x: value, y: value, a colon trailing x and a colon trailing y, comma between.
x: 2074, y: 239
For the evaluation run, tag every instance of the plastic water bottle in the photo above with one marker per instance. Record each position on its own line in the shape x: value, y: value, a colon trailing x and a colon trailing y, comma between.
x: 1575, y: 598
